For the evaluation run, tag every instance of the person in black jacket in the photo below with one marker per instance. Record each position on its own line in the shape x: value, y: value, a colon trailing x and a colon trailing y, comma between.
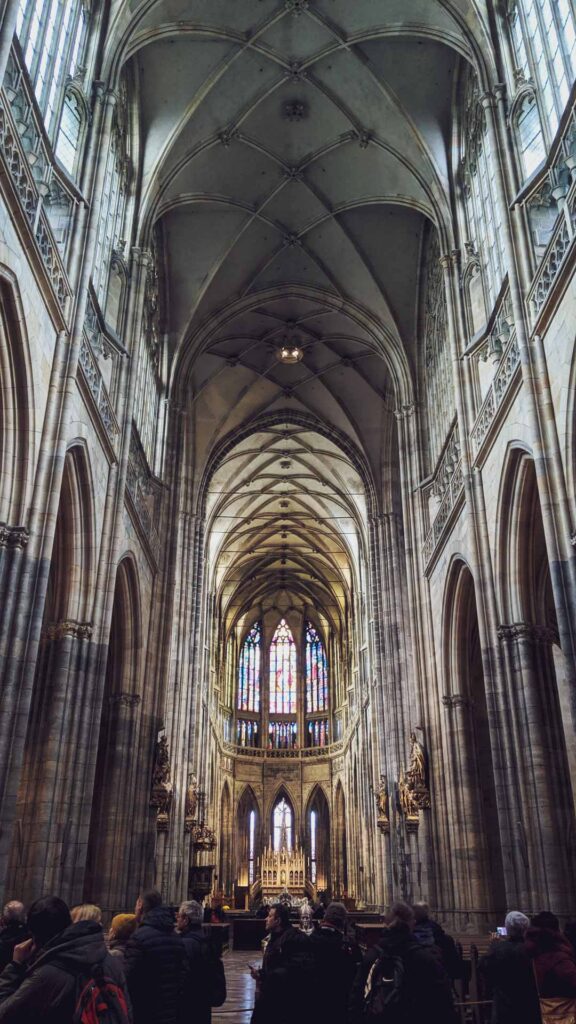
x: 205, y: 982
x: 284, y: 983
x: 431, y: 934
x: 155, y: 963
x: 508, y: 972
x: 336, y: 962
x: 424, y: 992
x: 44, y: 979
x: 12, y: 930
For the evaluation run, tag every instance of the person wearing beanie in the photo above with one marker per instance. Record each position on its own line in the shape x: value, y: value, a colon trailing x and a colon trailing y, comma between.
x: 336, y: 961
x: 121, y: 928
x: 508, y: 973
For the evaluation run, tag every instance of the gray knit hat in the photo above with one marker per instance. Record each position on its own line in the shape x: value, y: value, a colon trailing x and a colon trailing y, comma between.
x: 516, y: 922
x: 335, y: 915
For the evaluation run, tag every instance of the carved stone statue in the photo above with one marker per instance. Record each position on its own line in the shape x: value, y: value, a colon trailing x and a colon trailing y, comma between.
x: 162, y: 789
x: 382, y: 798
x: 417, y: 769
x: 408, y: 800
x: 191, y: 797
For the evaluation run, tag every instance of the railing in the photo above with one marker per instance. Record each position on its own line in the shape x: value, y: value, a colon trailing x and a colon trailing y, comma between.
x: 29, y: 166
x: 555, y: 189
x: 296, y: 753
x: 503, y: 378
x: 447, y: 486
x: 97, y: 389
x: 142, y: 490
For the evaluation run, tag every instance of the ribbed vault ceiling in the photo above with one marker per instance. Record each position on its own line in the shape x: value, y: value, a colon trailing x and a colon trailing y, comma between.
x: 294, y: 154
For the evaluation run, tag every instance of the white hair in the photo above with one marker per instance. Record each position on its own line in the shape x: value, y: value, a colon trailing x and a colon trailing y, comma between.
x: 193, y: 911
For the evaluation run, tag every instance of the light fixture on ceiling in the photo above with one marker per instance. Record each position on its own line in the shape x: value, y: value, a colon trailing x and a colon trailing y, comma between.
x: 289, y: 352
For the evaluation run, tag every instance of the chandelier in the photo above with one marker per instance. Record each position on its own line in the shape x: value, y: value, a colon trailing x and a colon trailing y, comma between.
x: 290, y: 351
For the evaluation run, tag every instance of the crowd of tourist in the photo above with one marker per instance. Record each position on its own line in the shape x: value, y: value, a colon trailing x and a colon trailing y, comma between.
x: 157, y: 966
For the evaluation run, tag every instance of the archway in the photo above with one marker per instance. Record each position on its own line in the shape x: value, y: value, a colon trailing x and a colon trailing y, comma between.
x: 318, y: 841
x: 108, y: 881
x: 248, y: 844
x: 478, y: 874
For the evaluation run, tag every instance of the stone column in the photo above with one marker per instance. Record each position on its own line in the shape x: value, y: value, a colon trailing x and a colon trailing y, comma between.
x: 543, y: 810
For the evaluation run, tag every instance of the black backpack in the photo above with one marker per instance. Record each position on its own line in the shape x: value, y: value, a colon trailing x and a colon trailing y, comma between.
x: 383, y: 990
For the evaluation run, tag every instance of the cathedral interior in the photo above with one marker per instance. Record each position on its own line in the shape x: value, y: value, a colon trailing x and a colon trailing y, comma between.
x: 288, y: 461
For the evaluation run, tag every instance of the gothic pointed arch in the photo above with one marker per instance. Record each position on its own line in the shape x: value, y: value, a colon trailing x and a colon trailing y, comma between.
x: 16, y: 404
x: 477, y: 866
x: 249, y: 838
x: 226, y: 840
x: 340, y: 879
x: 539, y: 681
x: 318, y: 839
x: 282, y: 799
x: 108, y: 882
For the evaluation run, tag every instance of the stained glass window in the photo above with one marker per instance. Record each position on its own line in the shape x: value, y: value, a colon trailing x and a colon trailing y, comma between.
x: 283, y: 671
x: 251, y: 845
x: 317, y: 732
x: 282, y: 821
x: 247, y: 733
x: 283, y: 735
x: 249, y: 672
x: 313, y: 824
x: 316, y: 672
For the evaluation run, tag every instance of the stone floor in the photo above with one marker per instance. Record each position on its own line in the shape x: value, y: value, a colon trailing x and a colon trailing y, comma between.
x: 238, y: 1006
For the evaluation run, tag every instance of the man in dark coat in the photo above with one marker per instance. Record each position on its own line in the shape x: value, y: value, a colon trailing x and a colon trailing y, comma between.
x: 44, y: 979
x: 336, y: 962
x: 509, y: 975
x: 12, y: 930
x: 424, y: 992
x: 432, y: 935
x: 155, y: 963
x: 284, y: 983
x: 205, y: 982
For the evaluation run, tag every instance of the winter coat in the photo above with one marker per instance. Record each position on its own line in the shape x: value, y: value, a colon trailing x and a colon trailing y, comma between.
x: 430, y: 934
x: 204, y: 965
x: 284, y: 993
x: 508, y: 972
x: 47, y: 990
x: 11, y: 935
x: 155, y: 966
x: 426, y: 996
x: 336, y: 962
x: 554, y: 962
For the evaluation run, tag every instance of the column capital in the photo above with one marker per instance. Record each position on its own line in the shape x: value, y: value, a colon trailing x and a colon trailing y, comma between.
x: 457, y: 700
x: 13, y: 536
x: 528, y: 631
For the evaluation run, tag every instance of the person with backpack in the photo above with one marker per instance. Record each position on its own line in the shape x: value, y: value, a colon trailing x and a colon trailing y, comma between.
x: 155, y: 963
x: 336, y: 962
x: 284, y: 982
x: 400, y: 981
x: 63, y: 974
x: 205, y: 982
x: 429, y: 933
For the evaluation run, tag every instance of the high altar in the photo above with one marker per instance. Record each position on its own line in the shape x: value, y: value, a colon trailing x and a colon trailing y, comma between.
x: 282, y: 869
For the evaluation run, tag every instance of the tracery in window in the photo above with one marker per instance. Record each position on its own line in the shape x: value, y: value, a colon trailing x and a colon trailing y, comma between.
x: 479, y: 167
x: 317, y: 732
x: 247, y: 732
x: 543, y: 34
x: 251, y: 846
x: 70, y: 132
x: 529, y: 134
x: 249, y: 672
x: 52, y: 36
x: 438, y: 387
x: 316, y: 671
x: 282, y: 825
x: 282, y: 735
x: 283, y: 671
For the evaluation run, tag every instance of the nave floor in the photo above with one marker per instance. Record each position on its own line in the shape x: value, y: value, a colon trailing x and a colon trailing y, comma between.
x: 238, y: 1006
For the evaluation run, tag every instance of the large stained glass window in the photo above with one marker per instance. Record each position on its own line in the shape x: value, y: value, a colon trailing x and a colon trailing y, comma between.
x: 283, y: 735
x: 317, y: 732
x: 282, y: 821
x: 283, y: 671
x: 247, y: 733
x: 249, y: 671
x: 316, y: 672
x: 251, y: 845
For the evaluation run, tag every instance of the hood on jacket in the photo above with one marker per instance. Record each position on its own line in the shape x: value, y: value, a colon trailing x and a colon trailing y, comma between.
x: 160, y: 918
x: 79, y: 946
x: 546, y: 940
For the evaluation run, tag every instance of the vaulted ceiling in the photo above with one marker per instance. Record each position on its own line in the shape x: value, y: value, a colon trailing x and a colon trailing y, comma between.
x: 295, y: 153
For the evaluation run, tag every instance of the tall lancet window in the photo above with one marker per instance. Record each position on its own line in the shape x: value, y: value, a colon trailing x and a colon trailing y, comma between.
x: 283, y: 671
x: 249, y: 671
x: 316, y: 672
x: 282, y: 822
x: 251, y: 846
